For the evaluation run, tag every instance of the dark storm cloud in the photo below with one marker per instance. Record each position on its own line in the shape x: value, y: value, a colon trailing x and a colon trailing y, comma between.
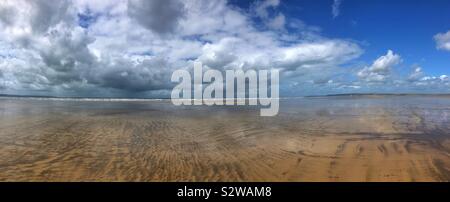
x: 48, y: 13
x: 150, y: 74
x: 159, y: 16
x: 7, y: 15
x: 67, y: 55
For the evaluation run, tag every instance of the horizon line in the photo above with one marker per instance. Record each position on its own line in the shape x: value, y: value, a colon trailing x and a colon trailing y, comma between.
x: 168, y: 98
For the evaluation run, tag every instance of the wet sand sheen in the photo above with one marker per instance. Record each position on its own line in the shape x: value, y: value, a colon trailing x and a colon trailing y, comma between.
x: 325, y: 139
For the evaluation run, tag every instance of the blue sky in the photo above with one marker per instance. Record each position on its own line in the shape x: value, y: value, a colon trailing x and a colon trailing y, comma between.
x: 129, y: 48
x: 406, y: 26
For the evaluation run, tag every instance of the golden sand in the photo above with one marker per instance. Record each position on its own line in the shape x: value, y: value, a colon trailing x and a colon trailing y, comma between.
x: 325, y: 140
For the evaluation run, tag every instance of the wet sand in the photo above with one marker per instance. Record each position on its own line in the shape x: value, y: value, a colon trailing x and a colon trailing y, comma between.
x: 382, y: 138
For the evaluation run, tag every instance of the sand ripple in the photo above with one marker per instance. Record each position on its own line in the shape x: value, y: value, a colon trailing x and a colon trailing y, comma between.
x: 309, y: 141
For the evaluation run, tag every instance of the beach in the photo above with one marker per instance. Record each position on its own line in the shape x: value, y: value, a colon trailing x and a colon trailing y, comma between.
x: 341, y: 138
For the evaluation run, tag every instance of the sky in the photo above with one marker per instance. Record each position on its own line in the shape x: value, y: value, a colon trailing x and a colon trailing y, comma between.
x: 129, y: 48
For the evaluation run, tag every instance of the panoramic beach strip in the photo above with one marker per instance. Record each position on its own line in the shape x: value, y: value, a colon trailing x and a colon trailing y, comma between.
x: 338, y: 138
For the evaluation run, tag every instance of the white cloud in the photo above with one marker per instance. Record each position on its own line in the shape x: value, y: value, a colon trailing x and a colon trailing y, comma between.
x: 277, y: 23
x: 317, y: 54
x: 335, y: 8
x: 418, y: 80
x: 261, y: 8
x: 33, y: 16
x: 416, y: 74
x: 381, y: 68
x: 433, y: 82
x: 274, y: 20
x: 443, y: 41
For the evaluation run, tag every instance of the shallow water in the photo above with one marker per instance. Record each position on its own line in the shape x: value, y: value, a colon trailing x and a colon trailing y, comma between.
x: 359, y: 138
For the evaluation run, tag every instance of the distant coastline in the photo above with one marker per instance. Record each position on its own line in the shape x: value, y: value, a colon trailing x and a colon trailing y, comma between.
x: 379, y: 94
x: 36, y: 97
x: 143, y: 99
